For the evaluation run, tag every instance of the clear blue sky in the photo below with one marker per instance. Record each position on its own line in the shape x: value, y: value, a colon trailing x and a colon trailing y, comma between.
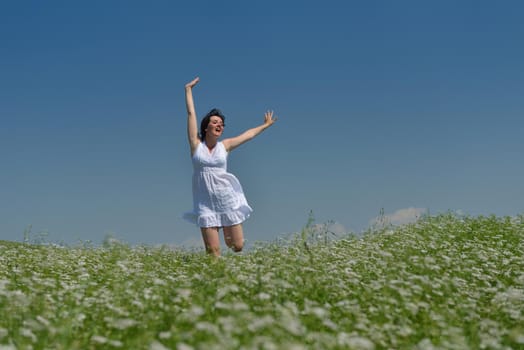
x: 381, y: 104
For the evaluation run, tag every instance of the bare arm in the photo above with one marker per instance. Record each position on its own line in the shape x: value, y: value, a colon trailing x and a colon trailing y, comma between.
x: 234, y: 142
x: 192, y: 128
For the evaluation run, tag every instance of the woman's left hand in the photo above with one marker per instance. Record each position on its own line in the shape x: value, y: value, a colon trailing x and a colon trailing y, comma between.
x: 269, y: 119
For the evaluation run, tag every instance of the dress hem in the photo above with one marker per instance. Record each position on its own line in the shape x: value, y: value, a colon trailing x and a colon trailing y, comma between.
x: 219, y: 219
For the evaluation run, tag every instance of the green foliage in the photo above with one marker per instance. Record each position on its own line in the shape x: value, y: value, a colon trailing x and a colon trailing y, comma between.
x: 444, y: 282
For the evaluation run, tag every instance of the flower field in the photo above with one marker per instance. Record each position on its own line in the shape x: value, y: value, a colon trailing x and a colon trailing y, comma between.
x: 445, y: 282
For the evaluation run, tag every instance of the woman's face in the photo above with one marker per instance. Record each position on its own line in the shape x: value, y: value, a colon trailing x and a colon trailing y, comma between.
x: 215, y: 126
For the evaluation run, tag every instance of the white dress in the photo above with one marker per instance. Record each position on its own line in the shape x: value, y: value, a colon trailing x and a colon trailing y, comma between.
x: 218, y: 199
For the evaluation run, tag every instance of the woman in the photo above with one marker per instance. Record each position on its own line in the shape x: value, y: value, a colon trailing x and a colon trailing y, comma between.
x: 218, y: 199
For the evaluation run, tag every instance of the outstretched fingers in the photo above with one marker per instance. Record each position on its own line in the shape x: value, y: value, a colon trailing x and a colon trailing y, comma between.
x: 269, y: 119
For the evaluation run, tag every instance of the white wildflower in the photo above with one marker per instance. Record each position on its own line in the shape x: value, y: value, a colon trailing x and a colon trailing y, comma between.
x: 405, y: 331
x: 222, y: 292
x: 138, y: 304
x: 295, y: 346
x: 43, y: 321
x: 28, y: 334
x: 222, y: 306
x: 99, y: 339
x: 262, y: 342
x: 3, y: 333
x: 207, y: 327
x: 3, y: 289
x: 155, y: 345
x: 183, y: 346
x: 33, y: 325
x: 263, y: 296
x: 426, y: 344
x: 164, y: 335
x: 116, y: 343
x: 515, y: 295
x: 184, y: 293
x: 429, y: 261
x: 239, y: 306
x: 7, y: 347
x: 148, y: 293
x: 258, y: 323
x: 519, y: 279
x: 514, y: 313
x: 512, y: 295
x: 159, y: 282
x: 385, y: 254
x: 123, y: 266
x: 489, y: 342
x: 293, y: 326
x: 196, y: 311
x: 319, y: 312
x: 267, y: 277
x: 330, y: 324
x: 120, y: 323
x: 198, y: 277
x: 354, y: 342
x: 80, y: 317
x: 227, y: 324
x: 20, y: 297
x: 518, y: 338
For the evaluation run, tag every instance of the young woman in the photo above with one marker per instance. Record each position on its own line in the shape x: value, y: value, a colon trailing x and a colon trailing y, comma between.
x: 218, y: 199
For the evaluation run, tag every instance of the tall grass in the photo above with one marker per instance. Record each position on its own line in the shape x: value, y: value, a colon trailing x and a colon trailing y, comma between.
x: 445, y: 282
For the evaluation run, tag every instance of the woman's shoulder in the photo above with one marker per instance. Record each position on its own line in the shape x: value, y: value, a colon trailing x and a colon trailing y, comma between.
x: 225, y: 144
x: 195, y: 148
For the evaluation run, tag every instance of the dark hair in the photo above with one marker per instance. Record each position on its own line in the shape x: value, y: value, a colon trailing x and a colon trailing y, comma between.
x: 205, y: 121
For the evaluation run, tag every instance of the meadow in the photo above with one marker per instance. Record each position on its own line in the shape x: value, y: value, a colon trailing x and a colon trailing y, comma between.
x: 444, y: 282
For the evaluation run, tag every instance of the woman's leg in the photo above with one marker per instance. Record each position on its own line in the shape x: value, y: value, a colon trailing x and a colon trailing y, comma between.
x: 211, y: 240
x: 234, y: 237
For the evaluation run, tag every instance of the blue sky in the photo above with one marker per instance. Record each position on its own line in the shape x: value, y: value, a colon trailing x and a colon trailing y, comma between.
x: 408, y: 106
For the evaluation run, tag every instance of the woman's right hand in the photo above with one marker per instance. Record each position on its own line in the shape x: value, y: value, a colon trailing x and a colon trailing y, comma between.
x: 192, y: 83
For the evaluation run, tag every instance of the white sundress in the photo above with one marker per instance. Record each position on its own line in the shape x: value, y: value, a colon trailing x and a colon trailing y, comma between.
x: 218, y: 198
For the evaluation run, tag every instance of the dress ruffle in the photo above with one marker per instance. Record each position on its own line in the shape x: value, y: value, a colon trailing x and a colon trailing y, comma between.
x: 238, y: 216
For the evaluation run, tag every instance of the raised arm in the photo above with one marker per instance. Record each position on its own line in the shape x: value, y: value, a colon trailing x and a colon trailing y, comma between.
x: 192, y: 128
x: 232, y: 143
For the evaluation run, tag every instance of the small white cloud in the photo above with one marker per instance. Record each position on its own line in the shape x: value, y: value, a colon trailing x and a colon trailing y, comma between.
x: 405, y: 216
x: 400, y: 217
x: 338, y: 229
x: 460, y: 212
x: 331, y: 229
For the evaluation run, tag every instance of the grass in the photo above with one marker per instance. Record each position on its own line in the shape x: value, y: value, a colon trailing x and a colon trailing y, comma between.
x: 445, y: 282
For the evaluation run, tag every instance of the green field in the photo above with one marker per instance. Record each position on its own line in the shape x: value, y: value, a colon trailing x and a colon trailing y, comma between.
x: 445, y: 282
